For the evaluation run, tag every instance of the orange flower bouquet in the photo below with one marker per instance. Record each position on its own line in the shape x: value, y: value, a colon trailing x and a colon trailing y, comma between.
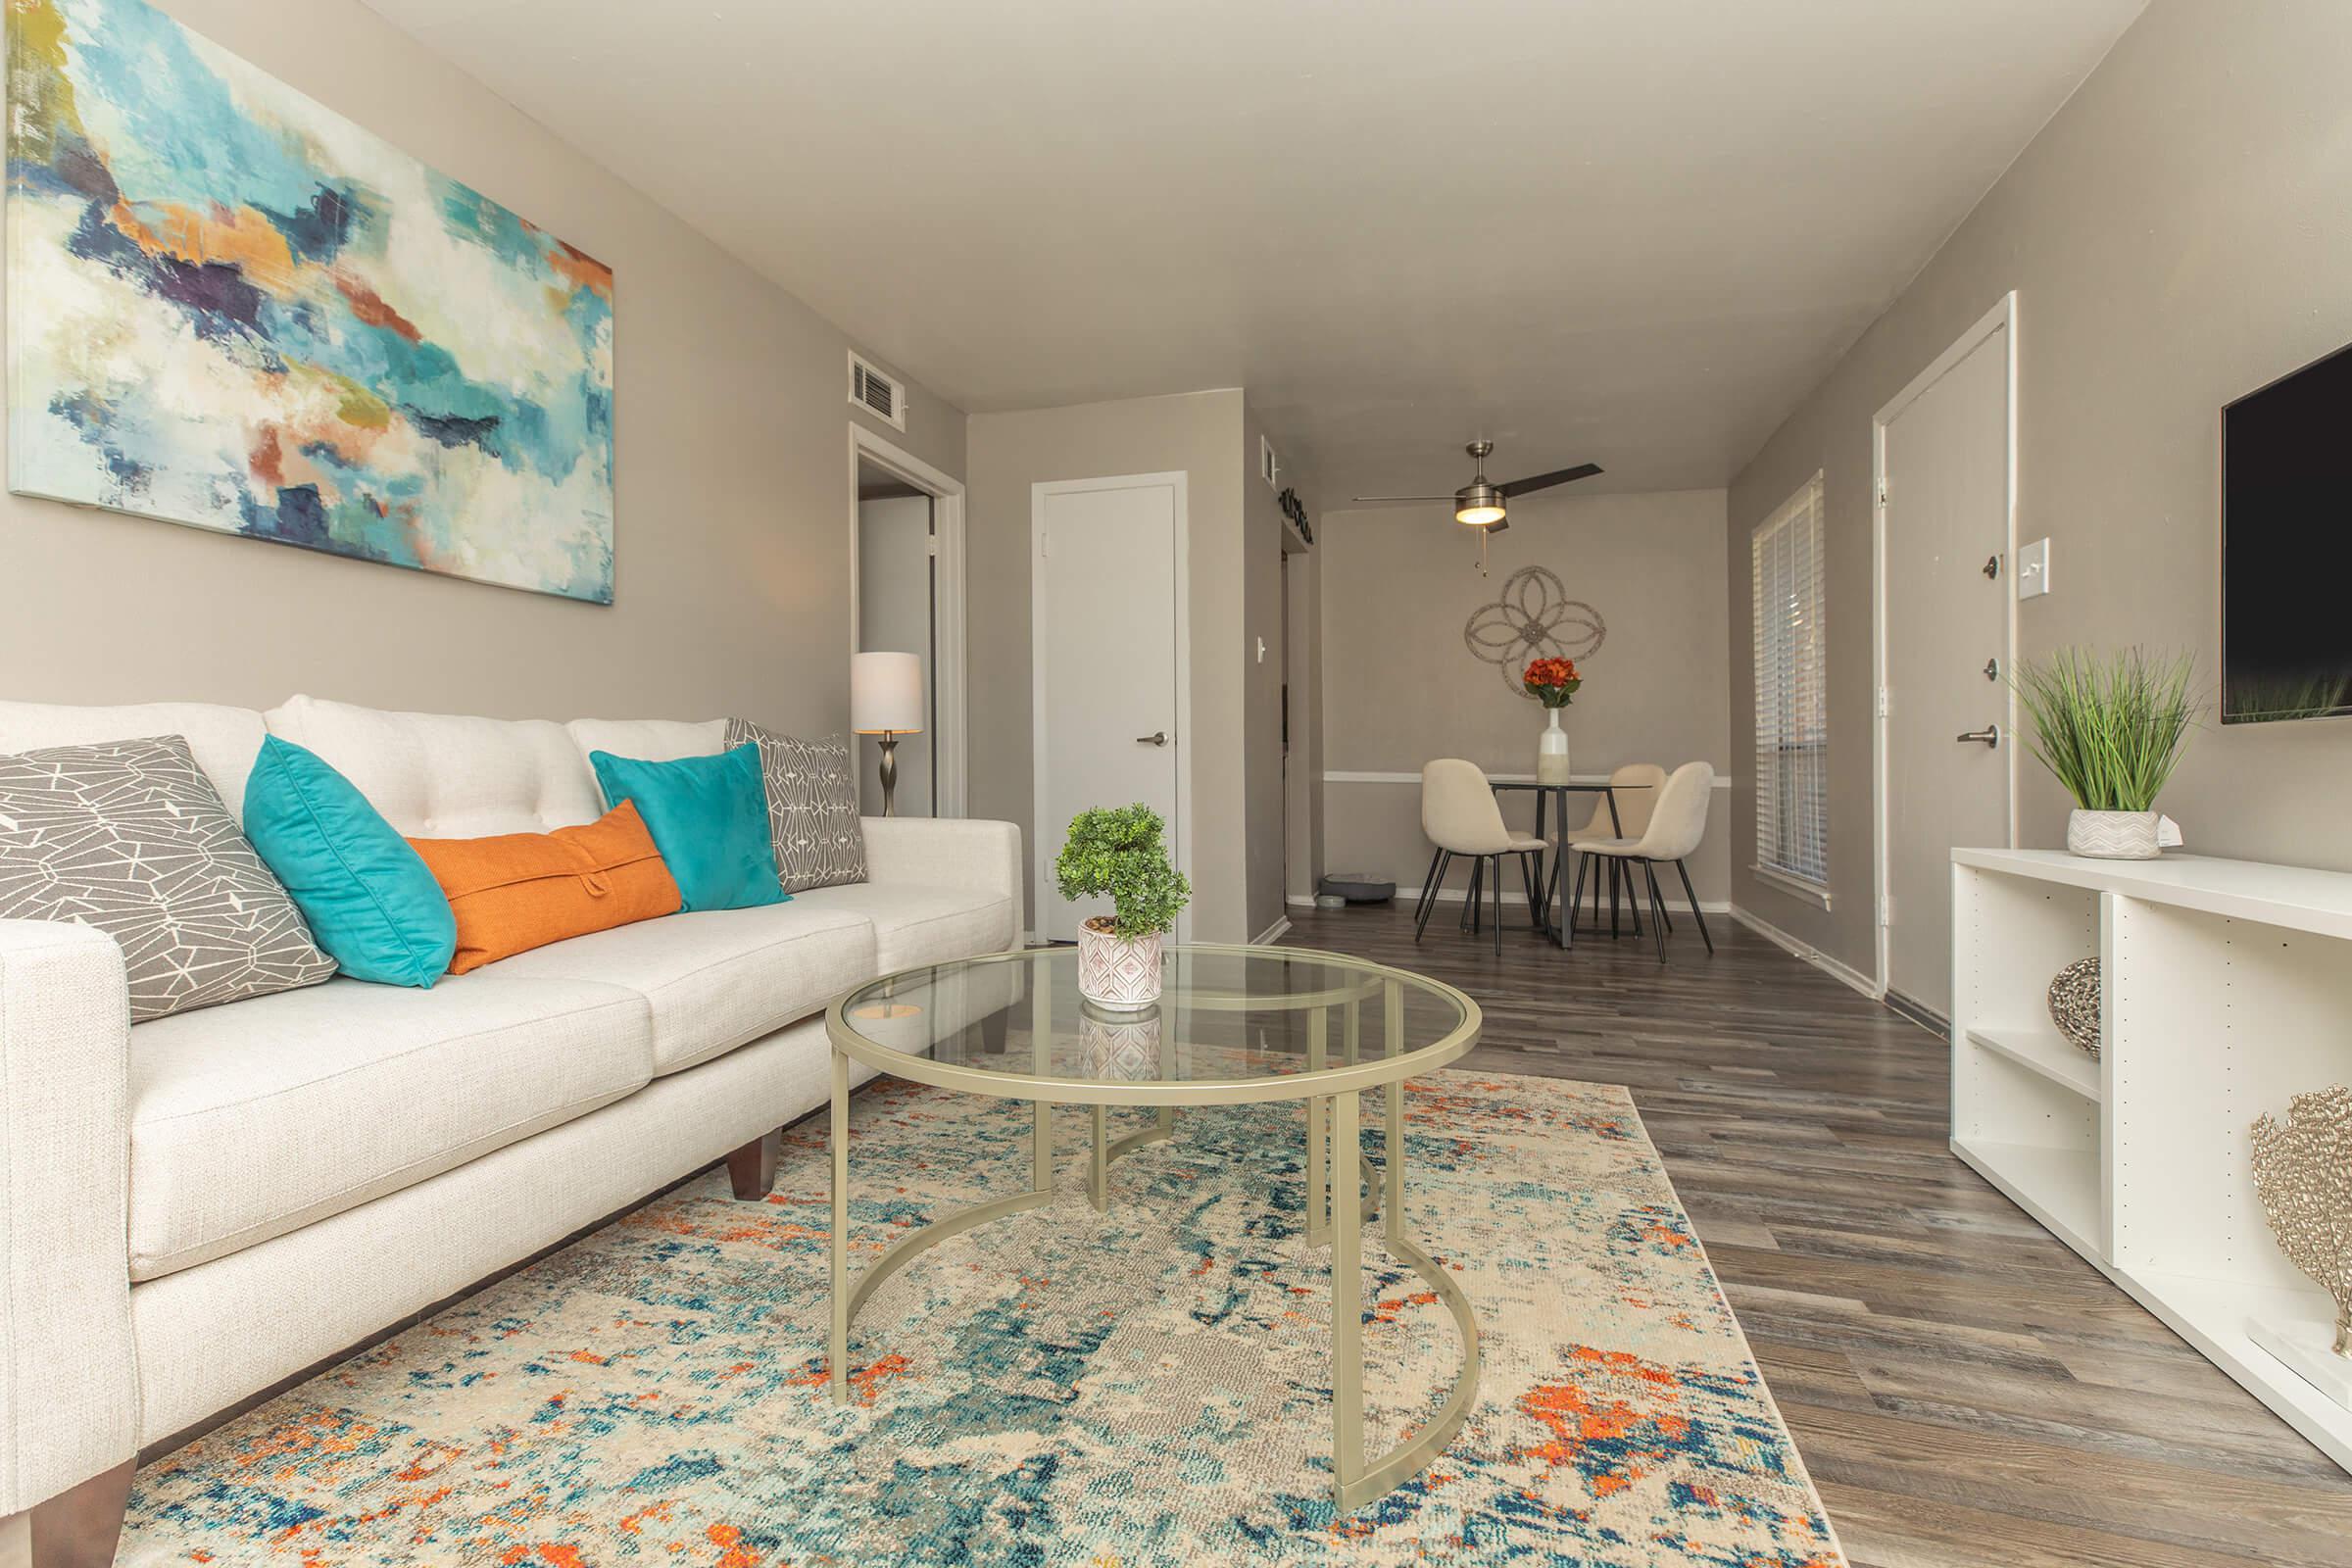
x: 1552, y: 681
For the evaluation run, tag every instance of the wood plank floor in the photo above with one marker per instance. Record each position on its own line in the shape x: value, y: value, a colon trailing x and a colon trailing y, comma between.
x: 1965, y: 1390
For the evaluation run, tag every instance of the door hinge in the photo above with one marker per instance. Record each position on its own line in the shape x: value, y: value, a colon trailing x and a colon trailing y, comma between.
x: 1882, y: 492
x: 1887, y: 909
x: 1885, y: 702
x: 1045, y: 544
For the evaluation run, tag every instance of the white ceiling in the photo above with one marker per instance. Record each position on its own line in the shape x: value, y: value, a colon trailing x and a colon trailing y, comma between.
x: 1628, y: 231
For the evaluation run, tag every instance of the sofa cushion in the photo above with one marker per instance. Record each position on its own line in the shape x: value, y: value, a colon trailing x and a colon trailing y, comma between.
x: 657, y: 740
x: 252, y: 1120
x: 915, y: 923
x: 811, y: 806
x: 370, y: 900
x: 513, y: 892
x: 709, y: 818
x: 720, y: 977
x: 448, y: 776
x: 131, y: 838
x: 223, y: 739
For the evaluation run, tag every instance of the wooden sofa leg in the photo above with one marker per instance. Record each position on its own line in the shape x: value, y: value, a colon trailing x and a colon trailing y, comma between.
x: 753, y: 1167
x: 992, y: 1032
x: 79, y: 1527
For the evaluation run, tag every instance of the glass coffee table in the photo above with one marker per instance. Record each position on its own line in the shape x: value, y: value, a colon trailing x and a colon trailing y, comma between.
x: 1233, y: 1026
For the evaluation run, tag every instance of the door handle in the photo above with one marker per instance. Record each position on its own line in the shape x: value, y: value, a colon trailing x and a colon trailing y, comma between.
x: 1156, y: 738
x: 1991, y: 735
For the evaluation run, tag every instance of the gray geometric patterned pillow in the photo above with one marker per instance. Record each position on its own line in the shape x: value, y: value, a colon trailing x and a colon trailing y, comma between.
x: 131, y: 838
x: 811, y: 806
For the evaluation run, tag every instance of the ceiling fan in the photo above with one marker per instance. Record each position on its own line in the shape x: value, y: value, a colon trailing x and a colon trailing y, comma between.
x: 1484, y: 507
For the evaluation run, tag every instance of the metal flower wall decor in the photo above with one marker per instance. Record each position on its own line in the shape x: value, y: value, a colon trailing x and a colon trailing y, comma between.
x: 2303, y: 1177
x: 1534, y: 618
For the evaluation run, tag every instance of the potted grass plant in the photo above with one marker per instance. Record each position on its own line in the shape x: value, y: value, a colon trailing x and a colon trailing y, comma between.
x: 1121, y: 852
x: 2110, y: 729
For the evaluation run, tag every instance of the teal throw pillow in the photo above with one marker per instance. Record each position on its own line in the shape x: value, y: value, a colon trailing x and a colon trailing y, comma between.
x: 373, y: 905
x: 709, y: 818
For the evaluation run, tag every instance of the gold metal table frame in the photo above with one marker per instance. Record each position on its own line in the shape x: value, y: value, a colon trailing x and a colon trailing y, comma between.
x: 1336, y: 1210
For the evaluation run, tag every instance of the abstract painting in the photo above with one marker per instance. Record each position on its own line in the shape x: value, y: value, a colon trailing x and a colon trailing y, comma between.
x: 232, y: 308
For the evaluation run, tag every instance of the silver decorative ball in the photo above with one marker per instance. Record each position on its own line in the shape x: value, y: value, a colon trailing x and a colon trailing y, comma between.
x: 2074, y: 1004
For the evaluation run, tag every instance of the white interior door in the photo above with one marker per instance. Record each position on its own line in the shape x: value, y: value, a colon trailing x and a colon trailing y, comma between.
x: 1106, y: 617
x: 895, y: 599
x: 1944, y: 517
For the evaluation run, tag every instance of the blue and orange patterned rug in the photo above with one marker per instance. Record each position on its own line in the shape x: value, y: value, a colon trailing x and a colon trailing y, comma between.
x: 1149, y: 1387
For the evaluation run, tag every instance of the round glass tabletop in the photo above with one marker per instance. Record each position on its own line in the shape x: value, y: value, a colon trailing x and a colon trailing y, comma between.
x: 1232, y: 1025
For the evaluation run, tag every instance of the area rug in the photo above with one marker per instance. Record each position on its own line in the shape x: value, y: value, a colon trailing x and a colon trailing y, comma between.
x: 1149, y: 1386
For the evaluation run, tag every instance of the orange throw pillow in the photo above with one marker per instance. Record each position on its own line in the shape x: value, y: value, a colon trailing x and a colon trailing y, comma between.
x: 519, y: 891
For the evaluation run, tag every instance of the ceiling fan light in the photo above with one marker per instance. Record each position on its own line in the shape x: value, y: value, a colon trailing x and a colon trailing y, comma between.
x: 1478, y: 506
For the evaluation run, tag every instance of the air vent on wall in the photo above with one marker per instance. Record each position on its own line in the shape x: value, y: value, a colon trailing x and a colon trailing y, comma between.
x: 876, y: 393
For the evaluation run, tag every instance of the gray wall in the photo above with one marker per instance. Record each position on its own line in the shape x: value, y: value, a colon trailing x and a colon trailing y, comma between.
x: 2177, y: 235
x: 1399, y: 686
x: 732, y: 532
x: 1199, y: 433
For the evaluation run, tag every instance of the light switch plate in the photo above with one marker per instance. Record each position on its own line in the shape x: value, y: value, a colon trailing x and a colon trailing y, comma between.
x: 2033, y: 569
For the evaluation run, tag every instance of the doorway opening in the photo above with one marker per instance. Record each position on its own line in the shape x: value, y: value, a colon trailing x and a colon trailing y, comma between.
x: 906, y: 596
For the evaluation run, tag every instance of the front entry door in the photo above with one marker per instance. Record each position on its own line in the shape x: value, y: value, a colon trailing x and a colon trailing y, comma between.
x: 1106, y: 590
x: 1946, y: 520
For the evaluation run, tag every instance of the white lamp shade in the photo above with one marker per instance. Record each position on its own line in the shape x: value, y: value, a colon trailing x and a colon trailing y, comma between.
x: 886, y: 694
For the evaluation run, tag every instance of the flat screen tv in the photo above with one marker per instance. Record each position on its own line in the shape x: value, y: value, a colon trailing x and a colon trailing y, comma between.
x: 2286, y: 547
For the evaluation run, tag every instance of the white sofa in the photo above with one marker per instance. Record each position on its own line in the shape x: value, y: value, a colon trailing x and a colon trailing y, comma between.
x: 198, y: 1208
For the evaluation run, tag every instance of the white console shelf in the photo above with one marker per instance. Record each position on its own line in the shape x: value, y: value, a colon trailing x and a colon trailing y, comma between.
x: 2228, y: 990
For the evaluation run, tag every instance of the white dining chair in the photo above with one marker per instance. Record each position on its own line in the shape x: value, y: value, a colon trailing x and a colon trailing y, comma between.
x: 1459, y: 814
x: 1635, y: 787
x: 1673, y: 832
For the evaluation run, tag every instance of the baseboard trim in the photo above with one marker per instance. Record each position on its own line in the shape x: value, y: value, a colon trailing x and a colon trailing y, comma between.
x: 1813, y: 956
x: 1271, y: 934
x: 1451, y: 894
x: 1919, y: 1013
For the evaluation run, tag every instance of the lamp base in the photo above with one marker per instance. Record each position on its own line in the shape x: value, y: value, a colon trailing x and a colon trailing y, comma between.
x: 890, y: 774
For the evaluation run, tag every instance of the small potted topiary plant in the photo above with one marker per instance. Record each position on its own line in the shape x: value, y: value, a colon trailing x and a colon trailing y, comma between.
x: 1119, y: 851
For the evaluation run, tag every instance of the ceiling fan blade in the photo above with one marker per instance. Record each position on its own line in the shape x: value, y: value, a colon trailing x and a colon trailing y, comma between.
x: 1403, y: 498
x: 1545, y: 481
x: 1504, y: 527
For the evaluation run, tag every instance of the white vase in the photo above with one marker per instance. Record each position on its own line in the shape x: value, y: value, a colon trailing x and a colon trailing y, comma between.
x: 1115, y: 971
x: 1551, y: 752
x: 2112, y: 835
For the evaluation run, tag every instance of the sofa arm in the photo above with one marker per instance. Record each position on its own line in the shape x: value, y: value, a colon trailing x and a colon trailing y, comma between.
x: 947, y: 852
x: 68, y: 1387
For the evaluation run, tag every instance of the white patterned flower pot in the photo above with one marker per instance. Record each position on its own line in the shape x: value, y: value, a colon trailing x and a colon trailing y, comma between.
x: 1122, y: 1045
x: 1115, y: 971
x: 1551, y: 752
x: 2112, y: 835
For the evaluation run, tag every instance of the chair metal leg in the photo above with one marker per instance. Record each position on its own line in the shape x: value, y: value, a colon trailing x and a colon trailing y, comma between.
x: 1657, y: 924
x: 1633, y: 899
x: 1575, y: 897
x: 1498, y: 906
x: 1649, y: 870
x: 1697, y: 913
x: 1615, y: 865
x: 1478, y: 882
x: 1429, y: 894
x: 1531, y: 877
x: 1429, y: 891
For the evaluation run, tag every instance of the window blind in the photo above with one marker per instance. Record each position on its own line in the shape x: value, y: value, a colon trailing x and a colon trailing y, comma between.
x: 1792, y: 663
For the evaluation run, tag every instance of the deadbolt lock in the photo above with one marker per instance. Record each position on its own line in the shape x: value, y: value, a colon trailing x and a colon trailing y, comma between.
x: 1993, y: 565
x: 1992, y: 669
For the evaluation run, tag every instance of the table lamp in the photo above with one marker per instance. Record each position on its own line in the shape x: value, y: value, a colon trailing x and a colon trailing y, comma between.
x: 886, y: 699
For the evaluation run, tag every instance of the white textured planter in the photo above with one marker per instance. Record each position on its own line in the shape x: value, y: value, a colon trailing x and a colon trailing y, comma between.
x: 1114, y: 971
x: 1551, y: 752
x: 2112, y: 835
